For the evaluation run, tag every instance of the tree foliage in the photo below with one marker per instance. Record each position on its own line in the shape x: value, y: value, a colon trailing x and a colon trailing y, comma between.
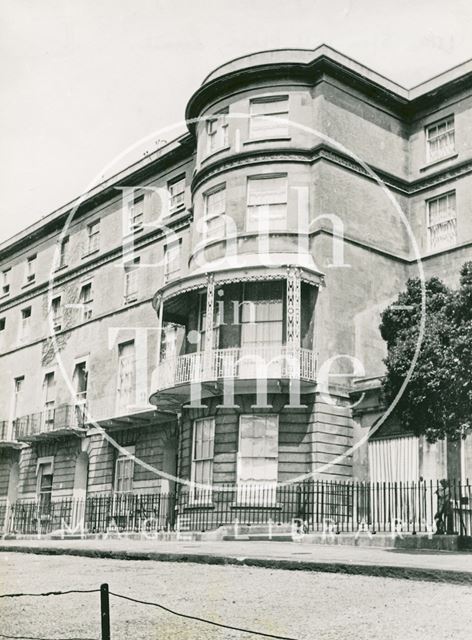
x: 437, y: 401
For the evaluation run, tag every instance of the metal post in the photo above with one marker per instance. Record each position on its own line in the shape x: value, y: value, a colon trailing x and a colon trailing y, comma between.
x: 105, y: 611
x: 209, y: 329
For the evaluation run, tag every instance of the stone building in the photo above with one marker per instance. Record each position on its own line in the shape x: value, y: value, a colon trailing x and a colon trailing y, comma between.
x: 136, y: 322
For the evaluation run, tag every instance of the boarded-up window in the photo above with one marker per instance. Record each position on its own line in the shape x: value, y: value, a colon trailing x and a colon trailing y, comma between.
x: 267, y: 203
x: 268, y: 117
x: 258, y: 458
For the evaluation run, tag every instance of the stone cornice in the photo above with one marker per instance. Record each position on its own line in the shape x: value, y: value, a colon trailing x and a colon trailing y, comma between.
x: 406, y: 103
x: 227, y: 83
x: 330, y: 154
x: 180, y: 149
x: 70, y: 329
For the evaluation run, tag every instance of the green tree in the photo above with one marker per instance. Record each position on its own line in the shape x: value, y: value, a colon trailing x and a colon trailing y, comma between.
x: 437, y: 402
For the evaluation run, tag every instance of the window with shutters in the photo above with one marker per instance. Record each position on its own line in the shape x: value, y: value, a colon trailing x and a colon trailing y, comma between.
x: 268, y: 117
x: 136, y: 214
x: 262, y: 316
x: 86, y: 301
x: 202, y: 323
x: 257, y: 465
x: 442, y: 222
x: 131, y: 281
x: 124, y: 471
x: 5, y: 282
x: 126, y: 383
x: 30, y: 271
x: 440, y: 139
x: 217, y: 131
x: 63, y: 253
x: 176, y: 189
x: 56, y: 313
x: 267, y: 203
x: 172, y: 260
x: 19, y: 384
x: 80, y: 379
x: 25, y: 325
x: 44, y: 485
x: 202, y: 458
x: 49, y: 394
x: 93, y: 237
x: 214, y: 213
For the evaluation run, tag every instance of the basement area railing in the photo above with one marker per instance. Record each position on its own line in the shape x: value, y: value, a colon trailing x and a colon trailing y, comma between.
x: 315, y: 506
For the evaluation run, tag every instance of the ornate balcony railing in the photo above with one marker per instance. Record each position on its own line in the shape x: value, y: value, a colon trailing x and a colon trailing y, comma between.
x: 67, y: 417
x: 241, y: 363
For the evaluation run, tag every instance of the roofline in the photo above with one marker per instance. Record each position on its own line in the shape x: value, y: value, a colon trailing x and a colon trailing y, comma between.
x: 305, y: 65
x: 311, y: 55
x: 326, y: 50
x: 141, y: 166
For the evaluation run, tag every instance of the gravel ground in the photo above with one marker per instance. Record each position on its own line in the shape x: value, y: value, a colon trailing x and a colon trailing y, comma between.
x: 298, y: 604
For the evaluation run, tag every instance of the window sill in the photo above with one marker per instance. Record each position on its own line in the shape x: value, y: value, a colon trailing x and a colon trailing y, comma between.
x: 129, y: 234
x: 28, y: 284
x: 61, y: 267
x: 90, y: 253
x: 433, y: 163
x: 175, y: 210
x: 4, y: 296
x: 261, y: 140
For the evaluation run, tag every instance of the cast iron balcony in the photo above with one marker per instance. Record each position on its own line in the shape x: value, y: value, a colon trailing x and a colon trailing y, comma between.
x: 243, y: 363
x: 52, y: 422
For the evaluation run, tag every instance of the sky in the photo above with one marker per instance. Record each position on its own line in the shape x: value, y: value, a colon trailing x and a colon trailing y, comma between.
x: 84, y: 80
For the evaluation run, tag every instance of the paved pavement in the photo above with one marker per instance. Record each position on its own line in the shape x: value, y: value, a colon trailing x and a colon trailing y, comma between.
x: 440, y: 566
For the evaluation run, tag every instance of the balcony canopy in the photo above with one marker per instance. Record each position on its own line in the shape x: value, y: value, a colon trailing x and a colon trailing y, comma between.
x: 240, y: 268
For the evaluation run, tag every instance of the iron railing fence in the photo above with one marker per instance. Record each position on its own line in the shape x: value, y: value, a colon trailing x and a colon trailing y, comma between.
x: 314, y: 506
x: 98, y: 513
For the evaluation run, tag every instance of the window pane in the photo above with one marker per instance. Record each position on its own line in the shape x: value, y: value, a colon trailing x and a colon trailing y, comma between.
x: 268, y: 106
x: 202, y: 463
x: 267, y: 190
x: 216, y: 203
x: 268, y: 118
x: 442, y: 223
x: 440, y: 139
